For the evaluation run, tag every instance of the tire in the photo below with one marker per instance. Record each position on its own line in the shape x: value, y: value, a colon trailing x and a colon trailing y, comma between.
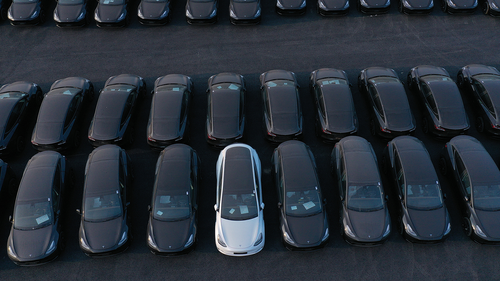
x: 466, y: 226
x: 460, y: 80
x: 485, y: 5
x: 480, y: 124
x: 443, y: 168
x: 425, y: 125
x: 19, y: 144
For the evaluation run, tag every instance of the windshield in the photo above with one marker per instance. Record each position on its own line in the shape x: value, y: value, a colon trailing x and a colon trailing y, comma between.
x: 365, y: 198
x: 241, y: 206
x: 12, y: 95
x: 32, y: 215
x: 118, y: 88
x: 487, y: 77
x: 436, y: 78
x: 226, y: 86
x: 171, y: 207
x: 302, y: 203
x: 487, y: 197
x: 102, y: 208
x: 112, y: 2
x: 328, y: 81
x: 169, y: 88
x: 383, y: 79
x: 275, y: 83
x: 423, y: 196
x: 70, y: 2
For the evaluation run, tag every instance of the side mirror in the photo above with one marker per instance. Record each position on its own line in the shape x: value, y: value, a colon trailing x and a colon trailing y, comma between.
x: 279, y: 205
x: 324, y: 201
x: 216, y: 208
x: 387, y: 198
x: 262, y: 206
x: 444, y: 195
x: 195, y: 207
x: 399, y: 195
x: 149, y: 208
x: 78, y: 212
x: 466, y: 199
x: 11, y: 220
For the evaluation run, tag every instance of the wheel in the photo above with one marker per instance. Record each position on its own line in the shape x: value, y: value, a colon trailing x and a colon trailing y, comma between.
x: 466, y: 226
x: 373, y: 129
x: 425, y: 125
x: 442, y: 166
x: 485, y: 7
x: 480, y: 124
x: 460, y: 80
x: 19, y: 144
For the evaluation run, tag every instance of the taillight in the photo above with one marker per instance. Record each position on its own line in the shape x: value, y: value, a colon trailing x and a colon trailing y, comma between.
x: 439, y: 128
x: 211, y: 137
x: 151, y: 139
x: 326, y: 131
x: 495, y: 126
x: 384, y: 130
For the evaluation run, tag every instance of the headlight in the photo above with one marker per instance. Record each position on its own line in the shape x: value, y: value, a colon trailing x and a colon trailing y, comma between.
x: 279, y: 5
x: 387, y: 230
x: 84, y: 244
x: 451, y: 4
x: 51, y: 248
x: 35, y: 14
x: 151, y: 242
x: 406, y: 4
x: 188, y: 14
x: 327, y: 234
x: 56, y: 16
x: 408, y: 228
x: 479, y: 231
x: 321, y: 5
x: 448, y: 229
x: 10, y: 251
x: 122, y: 16
x: 164, y: 14
x: 96, y: 18
x: 388, y: 3
x: 9, y: 15
x: 259, y: 240
x: 363, y: 3
x: 346, y: 5
x: 287, y: 238
x: 219, y: 240
x: 139, y: 12
x: 303, y: 5
x: 232, y: 14
x: 190, y: 241
x: 257, y: 14
x: 348, y: 231
x: 124, y: 238
x: 81, y: 16
x: 214, y: 13
x: 494, y: 6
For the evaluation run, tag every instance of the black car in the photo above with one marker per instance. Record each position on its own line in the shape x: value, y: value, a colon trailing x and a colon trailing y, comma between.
x: 8, y: 181
x: 478, y: 186
x: 442, y: 105
x: 26, y: 12
x: 482, y: 83
x: 70, y: 13
x: 458, y: 6
x: 374, y: 6
x: 333, y: 7
x: 364, y: 216
x: 168, y: 118
x: 201, y: 11
x: 111, y: 13
x: 172, y: 224
x: 390, y: 110
x: 303, y: 218
x: 115, y: 110
x: 154, y: 12
x: 104, y: 227
x: 226, y: 109
x: 60, y: 116
x: 423, y: 216
x: 244, y: 11
x: 415, y: 6
x: 19, y: 101
x: 291, y: 7
x: 37, y: 235
x: 282, y: 110
x: 491, y: 7
x: 335, y: 112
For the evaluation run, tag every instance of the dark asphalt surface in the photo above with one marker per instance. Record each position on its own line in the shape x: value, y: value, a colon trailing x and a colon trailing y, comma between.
x: 46, y: 53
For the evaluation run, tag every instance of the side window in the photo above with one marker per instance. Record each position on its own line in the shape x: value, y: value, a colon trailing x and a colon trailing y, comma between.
x: 242, y: 105
x: 429, y: 97
x: 122, y: 179
x: 128, y: 106
x: 321, y: 104
x: 184, y: 106
x: 400, y: 178
x: 483, y: 95
x: 463, y: 176
x: 56, y: 189
x: 75, y: 103
x: 193, y: 184
x: 343, y: 180
x: 257, y: 186
x: 281, y: 183
x: 376, y: 99
x: 15, y: 114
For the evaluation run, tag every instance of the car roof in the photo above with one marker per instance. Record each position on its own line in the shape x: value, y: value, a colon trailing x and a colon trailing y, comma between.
x: 225, y: 107
x: 55, y: 105
x: 415, y: 159
x: 339, y: 106
x: 70, y: 82
x: 225, y: 78
x: 395, y: 104
x: 111, y: 104
x: 360, y: 164
x: 20, y: 86
x: 475, y: 69
x: 102, y: 170
x: 299, y: 172
x: 174, y: 171
x: 238, y: 170
x: 283, y: 99
x: 277, y: 74
x: 38, y: 176
x: 167, y: 104
x: 127, y: 79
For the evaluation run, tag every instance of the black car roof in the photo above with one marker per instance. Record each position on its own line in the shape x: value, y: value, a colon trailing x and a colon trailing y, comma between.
x: 276, y: 74
x: 475, y: 69
x: 167, y: 104
x: 283, y: 99
x: 415, y: 159
x: 111, y: 104
x: 128, y: 79
x: 423, y: 70
x: 102, y: 170
x: 238, y: 171
x: 70, y: 82
x: 20, y: 86
x: 173, y: 175
x: 338, y: 105
x: 298, y: 168
x: 360, y: 163
x: 38, y: 176
x: 55, y: 105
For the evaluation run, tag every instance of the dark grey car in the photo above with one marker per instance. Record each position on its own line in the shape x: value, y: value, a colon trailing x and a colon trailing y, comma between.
x: 423, y: 216
x: 364, y: 216
x: 335, y: 112
x: 172, y: 224
x: 154, y: 12
x: 244, y: 11
x: 390, y: 110
x: 477, y: 185
x: 112, y: 13
x: 104, y: 227
x: 168, y: 118
x: 26, y: 12
x: 226, y: 109
x: 282, y: 110
x: 37, y: 235
x: 70, y: 13
x: 303, y: 218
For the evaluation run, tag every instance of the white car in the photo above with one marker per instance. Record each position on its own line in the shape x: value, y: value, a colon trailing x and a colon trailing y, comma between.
x: 239, y: 224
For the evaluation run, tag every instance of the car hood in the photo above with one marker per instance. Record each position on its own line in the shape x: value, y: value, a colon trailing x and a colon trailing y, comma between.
x: 69, y: 12
x: 285, y: 124
x: 489, y: 223
x: 240, y: 234
x: 23, y: 11
x: 31, y: 244
x: 334, y: 4
x: 428, y: 224
x: 376, y: 3
x: 201, y: 9
x: 244, y: 9
x: 103, y: 235
x: 225, y: 127
x: 291, y: 4
x: 165, y: 129
x: 152, y: 10
x: 171, y: 235
x: 110, y: 13
x: 420, y: 3
x: 47, y: 133
x: 307, y: 230
x: 105, y: 129
x: 465, y: 3
x: 368, y: 225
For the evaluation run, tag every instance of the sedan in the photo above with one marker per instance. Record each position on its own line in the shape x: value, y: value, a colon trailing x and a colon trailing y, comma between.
x: 333, y: 7
x: 244, y: 11
x: 282, y: 110
x: 303, y: 218
x: 154, y: 12
x: 482, y: 84
x: 115, y: 110
x: 335, y: 112
x: 477, y: 181
x: 111, y: 13
x: 364, y: 216
x: 104, y: 227
x: 458, y: 6
x: 70, y: 13
x: 415, y: 6
x: 37, y: 235
x: 168, y: 118
x: 19, y: 101
x: 442, y: 105
x: 26, y: 12
x: 423, y: 216
x: 226, y: 109
x: 173, y: 211
x: 491, y: 7
x: 374, y: 7
x: 239, y: 219
x: 390, y: 110
x: 201, y: 11
x: 291, y: 7
x: 61, y: 113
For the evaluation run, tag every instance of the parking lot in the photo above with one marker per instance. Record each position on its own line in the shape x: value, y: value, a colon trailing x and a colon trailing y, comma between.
x: 46, y: 53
